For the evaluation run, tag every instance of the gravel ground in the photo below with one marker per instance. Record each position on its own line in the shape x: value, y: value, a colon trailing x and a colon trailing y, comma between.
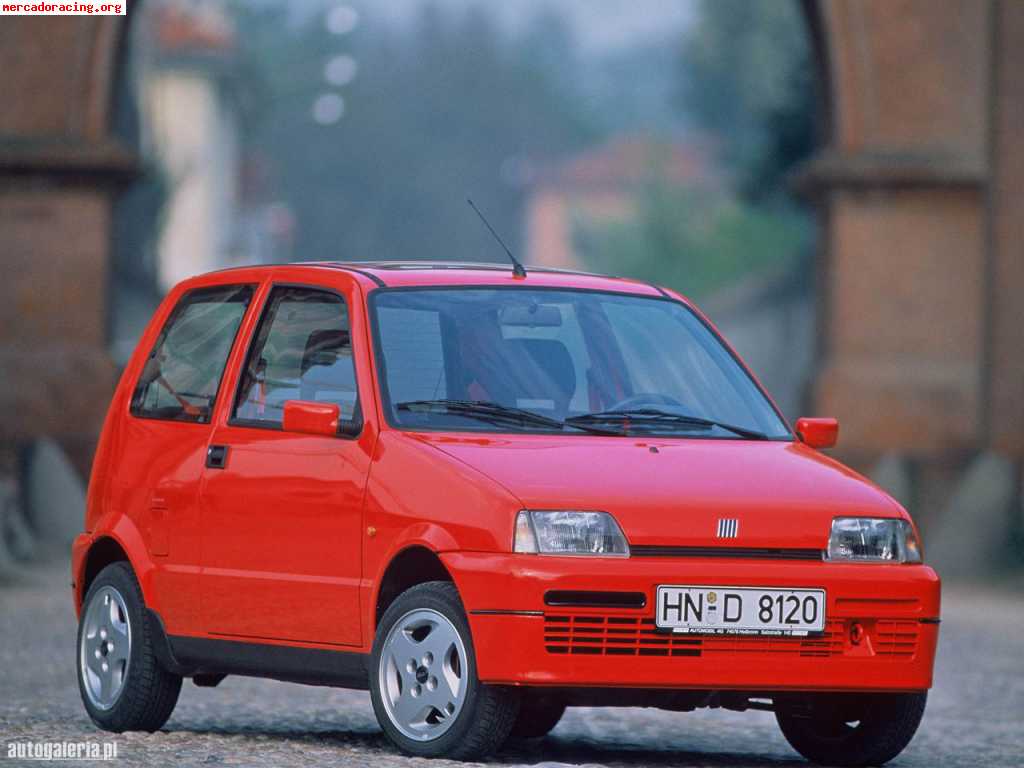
x: 974, y: 714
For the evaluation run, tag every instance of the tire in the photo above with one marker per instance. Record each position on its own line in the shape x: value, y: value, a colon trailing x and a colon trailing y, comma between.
x: 885, y: 725
x: 114, y: 632
x: 423, y: 683
x: 538, y: 715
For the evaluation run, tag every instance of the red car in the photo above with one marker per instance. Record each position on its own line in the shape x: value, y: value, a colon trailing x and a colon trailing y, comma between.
x: 486, y: 496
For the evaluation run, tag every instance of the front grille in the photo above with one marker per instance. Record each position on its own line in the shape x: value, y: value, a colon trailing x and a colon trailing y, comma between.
x: 634, y: 636
x: 754, y: 553
x: 896, y: 639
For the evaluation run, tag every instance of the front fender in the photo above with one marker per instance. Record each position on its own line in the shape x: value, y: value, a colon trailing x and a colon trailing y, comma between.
x: 417, y: 495
x: 429, y: 535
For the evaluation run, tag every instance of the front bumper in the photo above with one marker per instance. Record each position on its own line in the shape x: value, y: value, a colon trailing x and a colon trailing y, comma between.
x: 520, y: 640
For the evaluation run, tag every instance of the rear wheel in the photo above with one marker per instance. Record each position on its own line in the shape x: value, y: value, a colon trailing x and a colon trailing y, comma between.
x: 538, y: 715
x: 423, y: 681
x: 123, y: 686
x: 853, y: 730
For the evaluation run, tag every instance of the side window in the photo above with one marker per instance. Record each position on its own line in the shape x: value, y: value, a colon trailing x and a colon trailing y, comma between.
x: 302, y: 351
x: 182, y: 374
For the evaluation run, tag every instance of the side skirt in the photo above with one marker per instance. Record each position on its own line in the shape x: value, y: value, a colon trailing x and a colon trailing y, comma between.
x: 191, y: 656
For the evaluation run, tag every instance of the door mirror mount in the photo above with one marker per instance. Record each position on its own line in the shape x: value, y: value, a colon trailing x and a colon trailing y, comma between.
x: 818, y: 433
x: 311, y: 418
x: 352, y: 428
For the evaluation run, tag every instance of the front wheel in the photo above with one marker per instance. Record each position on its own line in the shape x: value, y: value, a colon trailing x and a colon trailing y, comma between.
x: 853, y: 730
x: 423, y: 681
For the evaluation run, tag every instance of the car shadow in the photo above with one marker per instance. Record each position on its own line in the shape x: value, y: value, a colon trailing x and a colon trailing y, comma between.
x: 567, y: 749
x: 576, y: 750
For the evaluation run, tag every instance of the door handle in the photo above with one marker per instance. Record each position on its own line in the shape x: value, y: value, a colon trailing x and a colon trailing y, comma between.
x: 216, y: 456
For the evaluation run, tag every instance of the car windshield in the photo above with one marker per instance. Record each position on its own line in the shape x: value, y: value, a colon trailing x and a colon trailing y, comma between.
x: 544, y: 360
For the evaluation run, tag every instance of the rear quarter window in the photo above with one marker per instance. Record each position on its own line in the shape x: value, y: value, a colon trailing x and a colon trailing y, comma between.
x: 182, y: 374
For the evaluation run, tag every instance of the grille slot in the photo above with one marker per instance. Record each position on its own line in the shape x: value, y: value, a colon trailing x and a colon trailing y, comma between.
x: 592, y: 599
x: 591, y: 635
x: 896, y: 639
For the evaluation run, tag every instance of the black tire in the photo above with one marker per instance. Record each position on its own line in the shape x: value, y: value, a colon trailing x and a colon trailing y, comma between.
x: 885, y: 724
x: 487, y: 713
x: 538, y: 715
x: 149, y: 692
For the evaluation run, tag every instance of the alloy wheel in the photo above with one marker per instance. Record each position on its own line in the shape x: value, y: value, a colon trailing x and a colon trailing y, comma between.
x: 423, y: 674
x: 105, y: 647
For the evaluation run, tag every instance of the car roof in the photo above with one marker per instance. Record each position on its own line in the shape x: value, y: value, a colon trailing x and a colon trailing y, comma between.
x: 403, y: 274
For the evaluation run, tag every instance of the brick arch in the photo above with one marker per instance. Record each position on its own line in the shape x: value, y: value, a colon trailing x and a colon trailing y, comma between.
x: 920, y: 189
x: 919, y: 184
x: 60, y: 74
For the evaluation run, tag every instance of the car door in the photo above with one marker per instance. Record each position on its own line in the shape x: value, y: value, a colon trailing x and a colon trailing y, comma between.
x: 160, y: 448
x: 282, y: 511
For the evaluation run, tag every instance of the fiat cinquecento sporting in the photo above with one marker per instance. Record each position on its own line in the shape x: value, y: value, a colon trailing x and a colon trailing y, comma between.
x: 485, y: 496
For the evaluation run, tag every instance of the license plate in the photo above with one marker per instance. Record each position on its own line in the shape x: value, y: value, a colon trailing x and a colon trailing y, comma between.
x: 740, y: 610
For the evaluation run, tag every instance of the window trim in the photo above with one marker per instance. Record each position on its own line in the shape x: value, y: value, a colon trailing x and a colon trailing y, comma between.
x: 385, y: 395
x: 358, y: 421
x: 162, y: 335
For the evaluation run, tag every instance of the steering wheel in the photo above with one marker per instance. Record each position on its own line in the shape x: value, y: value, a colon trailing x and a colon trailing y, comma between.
x: 644, y: 399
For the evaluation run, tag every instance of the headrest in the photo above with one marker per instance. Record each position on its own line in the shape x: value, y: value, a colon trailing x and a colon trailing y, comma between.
x: 552, y: 358
x: 324, y: 347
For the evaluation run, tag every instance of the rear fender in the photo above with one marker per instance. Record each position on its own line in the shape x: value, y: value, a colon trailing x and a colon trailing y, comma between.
x: 128, y: 537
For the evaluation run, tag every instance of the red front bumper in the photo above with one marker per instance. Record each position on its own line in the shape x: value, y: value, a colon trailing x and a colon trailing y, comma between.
x: 520, y: 640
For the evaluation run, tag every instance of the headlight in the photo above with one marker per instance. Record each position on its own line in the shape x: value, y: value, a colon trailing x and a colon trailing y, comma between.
x: 569, y: 533
x: 872, y: 539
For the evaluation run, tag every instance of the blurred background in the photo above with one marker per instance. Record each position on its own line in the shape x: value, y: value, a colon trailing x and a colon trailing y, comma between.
x: 838, y: 183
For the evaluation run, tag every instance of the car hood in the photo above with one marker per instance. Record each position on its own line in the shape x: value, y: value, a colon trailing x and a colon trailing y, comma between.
x: 673, y: 492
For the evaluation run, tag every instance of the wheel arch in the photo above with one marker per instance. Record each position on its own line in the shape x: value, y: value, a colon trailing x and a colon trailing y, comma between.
x: 105, y: 551
x: 415, y: 564
x: 121, y: 544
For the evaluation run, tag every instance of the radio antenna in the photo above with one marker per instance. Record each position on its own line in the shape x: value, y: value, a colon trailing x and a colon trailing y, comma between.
x: 518, y: 270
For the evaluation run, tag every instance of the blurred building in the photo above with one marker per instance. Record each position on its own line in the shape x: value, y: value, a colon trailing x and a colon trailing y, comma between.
x: 605, y: 184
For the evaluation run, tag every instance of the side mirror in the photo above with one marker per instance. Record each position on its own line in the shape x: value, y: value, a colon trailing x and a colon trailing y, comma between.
x: 818, y: 433
x: 311, y: 418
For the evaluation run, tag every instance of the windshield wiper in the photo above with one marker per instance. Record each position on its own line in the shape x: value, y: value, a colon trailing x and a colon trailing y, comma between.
x: 496, y: 412
x: 483, y: 410
x: 654, y: 417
